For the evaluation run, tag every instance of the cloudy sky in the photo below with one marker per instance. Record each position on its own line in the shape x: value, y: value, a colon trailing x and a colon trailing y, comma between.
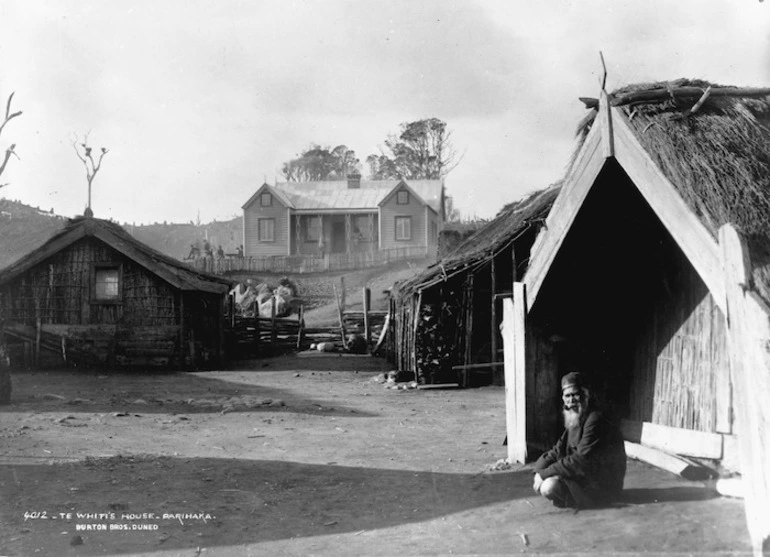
x: 200, y: 102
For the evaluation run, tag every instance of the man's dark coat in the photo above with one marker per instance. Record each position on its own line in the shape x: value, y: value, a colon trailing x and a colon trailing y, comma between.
x: 590, y: 457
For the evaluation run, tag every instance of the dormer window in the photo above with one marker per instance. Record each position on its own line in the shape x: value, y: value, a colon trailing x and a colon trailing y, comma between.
x: 402, y: 197
x: 266, y: 200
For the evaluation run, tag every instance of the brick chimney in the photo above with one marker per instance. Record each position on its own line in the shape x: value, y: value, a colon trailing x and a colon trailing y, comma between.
x: 354, y: 181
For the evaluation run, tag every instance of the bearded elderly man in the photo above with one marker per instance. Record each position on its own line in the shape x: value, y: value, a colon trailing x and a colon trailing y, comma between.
x: 587, y: 465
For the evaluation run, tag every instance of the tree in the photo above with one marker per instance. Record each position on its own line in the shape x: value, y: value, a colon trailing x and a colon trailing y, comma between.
x: 10, y: 150
x: 422, y: 151
x: 319, y: 163
x: 84, y: 153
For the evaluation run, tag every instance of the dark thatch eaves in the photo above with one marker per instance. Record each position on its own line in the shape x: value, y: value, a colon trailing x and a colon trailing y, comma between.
x: 174, y: 272
x: 717, y: 156
x: 491, y: 239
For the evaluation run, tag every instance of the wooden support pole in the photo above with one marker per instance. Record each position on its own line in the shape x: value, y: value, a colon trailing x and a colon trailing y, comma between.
x: 339, y: 316
x: 257, y: 343
x: 182, y: 332
x: 493, y: 330
x: 273, y: 332
x: 748, y: 323
x: 38, y: 335
x: 514, y: 344
x: 300, y: 326
x: 367, y: 299
x: 343, y: 299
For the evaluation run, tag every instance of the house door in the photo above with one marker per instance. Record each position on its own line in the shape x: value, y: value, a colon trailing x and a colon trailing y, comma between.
x: 339, y: 244
x: 514, y: 322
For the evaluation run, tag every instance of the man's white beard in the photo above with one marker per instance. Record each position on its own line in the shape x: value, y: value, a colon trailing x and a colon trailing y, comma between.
x: 572, y: 416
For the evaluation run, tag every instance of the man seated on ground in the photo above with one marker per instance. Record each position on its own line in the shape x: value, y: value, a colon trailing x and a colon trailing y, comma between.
x: 587, y: 465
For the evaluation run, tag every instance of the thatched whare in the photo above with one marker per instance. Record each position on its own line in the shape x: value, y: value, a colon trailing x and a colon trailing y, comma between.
x: 94, y: 295
x: 446, y: 319
x: 652, y: 275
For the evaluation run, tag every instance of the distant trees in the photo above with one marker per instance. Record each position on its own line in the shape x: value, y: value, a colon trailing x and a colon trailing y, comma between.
x: 422, y: 150
x: 319, y: 163
x: 10, y: 151
x: 92, y: 166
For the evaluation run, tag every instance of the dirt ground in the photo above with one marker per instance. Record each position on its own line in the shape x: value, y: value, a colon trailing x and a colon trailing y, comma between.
x: 304, y: 456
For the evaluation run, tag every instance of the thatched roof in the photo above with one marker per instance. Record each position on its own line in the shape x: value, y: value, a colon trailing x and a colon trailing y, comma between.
x: 488, y: 241
x: 169, y: 269
x: 717, y: 155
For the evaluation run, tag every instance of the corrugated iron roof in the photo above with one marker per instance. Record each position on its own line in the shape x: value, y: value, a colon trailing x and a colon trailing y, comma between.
x: 335, y: 194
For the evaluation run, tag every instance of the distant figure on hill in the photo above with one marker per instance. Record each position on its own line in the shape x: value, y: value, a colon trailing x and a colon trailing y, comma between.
x: 239, y: 251
x: 207, y: 249
x: 220, y: 253
x: 195, y: 252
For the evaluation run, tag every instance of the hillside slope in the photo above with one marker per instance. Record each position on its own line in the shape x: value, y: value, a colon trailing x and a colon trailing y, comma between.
x: 24, y: 228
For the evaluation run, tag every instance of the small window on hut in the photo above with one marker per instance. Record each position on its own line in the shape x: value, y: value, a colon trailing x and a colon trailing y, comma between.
x: 402, y: 197
x: 107, y: 284
x: 266, y: 200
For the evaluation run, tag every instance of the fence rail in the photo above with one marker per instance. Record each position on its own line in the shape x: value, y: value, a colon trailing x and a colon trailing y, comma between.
x: 312, y: 263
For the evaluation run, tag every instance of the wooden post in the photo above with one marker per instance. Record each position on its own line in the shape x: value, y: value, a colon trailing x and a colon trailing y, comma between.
x: 256, y: 329
x: 415, y: 332
x: 5, y: 370
x: 468, y: 309
x: 514, y: 322
x: 343, y: 299
x: 38, y: 336
x: 367, y: 294
x: 300, y: 326
x: 182, y: 325
x: 339, y: 315
x: 493, y: 330
x: 273, y: 332
x: 748, y: 323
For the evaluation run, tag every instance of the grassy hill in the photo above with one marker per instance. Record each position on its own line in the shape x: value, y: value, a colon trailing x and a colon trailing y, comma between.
x: 24, y: 228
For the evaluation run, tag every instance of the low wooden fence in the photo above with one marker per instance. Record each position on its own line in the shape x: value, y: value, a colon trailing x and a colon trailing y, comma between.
x: 249, y: 337
x: 311, y: 263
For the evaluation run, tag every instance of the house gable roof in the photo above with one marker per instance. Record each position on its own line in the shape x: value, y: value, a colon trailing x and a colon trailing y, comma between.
x: 284, y: 199
x: 335, y: 194
x: 172, y: 271
x: 691, y: 166
x: 402, y: 185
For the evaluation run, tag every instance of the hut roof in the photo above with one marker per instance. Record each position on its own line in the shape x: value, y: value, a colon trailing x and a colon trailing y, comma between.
x: 169, y: 269
x: 493, y: 237
x: 715, y: 150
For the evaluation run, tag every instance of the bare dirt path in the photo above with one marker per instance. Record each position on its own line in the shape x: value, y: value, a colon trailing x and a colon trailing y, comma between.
x: 304, y: 456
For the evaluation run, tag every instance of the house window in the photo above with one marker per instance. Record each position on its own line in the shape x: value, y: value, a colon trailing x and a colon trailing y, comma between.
x: 267, y: 230
x: 266, y: 200
x: 402, y: 197
x: 106, y: 283
x: 403, y: 228
x: 312, y: 229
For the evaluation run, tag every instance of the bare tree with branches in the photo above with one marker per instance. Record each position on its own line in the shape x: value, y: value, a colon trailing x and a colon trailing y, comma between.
x: 92, y: 166
x: 10, y: 150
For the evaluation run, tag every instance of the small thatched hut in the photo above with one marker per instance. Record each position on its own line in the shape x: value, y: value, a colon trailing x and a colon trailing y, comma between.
x: 94, y: 295
x: 446, y: 319
x: 652, y: 273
